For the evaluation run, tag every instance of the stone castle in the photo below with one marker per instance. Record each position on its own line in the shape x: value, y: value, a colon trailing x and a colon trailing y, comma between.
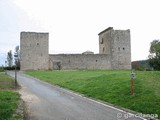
x: 114, y: 53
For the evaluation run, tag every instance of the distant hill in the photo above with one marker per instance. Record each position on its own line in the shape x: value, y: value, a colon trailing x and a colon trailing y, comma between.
x: 141, y: 65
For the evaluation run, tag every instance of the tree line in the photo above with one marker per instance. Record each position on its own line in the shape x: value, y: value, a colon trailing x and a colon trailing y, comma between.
x: 13, y: 58
x: 154, y: 56
x: 153, y: 61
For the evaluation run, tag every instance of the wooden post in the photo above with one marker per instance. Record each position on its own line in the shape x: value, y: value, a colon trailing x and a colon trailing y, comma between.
x: 132, y: 83
x: 132, y: 87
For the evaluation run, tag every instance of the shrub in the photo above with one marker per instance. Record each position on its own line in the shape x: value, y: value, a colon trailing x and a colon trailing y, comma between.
x: 1, y: 69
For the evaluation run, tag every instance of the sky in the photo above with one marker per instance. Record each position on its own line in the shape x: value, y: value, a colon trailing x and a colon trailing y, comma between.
x: 73, y: 25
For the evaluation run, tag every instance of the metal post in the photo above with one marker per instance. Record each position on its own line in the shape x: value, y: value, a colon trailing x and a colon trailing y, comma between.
x: 5, y: 67
x: 15, y: 69
x: 15, y: 75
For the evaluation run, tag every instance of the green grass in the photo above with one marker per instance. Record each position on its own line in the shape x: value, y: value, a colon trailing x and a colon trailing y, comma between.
x: 6, y: 82
x: 111, y: 86
x: 8, y: 104
x: 1, y: 69
x: 9, y: 99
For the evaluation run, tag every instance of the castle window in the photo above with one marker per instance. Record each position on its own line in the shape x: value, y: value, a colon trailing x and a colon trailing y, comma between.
x: 37, y: 43
x: 123, y: 48
x: 103, y: 49
x: 101, y: 41
x: 119, y: 49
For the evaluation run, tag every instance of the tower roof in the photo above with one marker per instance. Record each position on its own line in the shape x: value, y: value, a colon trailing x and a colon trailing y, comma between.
x: 109, y: 28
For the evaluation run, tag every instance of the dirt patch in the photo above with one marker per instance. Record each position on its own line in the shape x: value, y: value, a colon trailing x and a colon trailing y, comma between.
x: 28, y: 100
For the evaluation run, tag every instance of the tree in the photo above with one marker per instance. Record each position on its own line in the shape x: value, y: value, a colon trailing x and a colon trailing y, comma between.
x: 17, y: 52
x: 10, y: 58
x: 154, y: 57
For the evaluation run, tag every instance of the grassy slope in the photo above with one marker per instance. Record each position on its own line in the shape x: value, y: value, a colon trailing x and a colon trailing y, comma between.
x: 111, y: 86
x: 8, y: 99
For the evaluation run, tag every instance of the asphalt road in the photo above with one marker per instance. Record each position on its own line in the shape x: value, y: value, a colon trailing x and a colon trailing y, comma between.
x: 48, y: 102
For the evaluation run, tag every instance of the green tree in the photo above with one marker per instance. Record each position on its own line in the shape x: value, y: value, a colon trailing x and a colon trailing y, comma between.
x: 17, y: 52
x: 10, y: 58
x: 154, y: 56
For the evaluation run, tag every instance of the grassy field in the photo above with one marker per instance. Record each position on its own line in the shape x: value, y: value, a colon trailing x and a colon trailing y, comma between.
x: 6, y: 82
x: 9, y: 99
x: 111, y: 86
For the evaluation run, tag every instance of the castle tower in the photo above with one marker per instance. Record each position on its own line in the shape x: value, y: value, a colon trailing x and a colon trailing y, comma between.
x: 34, y: 51
x: 117, y: 44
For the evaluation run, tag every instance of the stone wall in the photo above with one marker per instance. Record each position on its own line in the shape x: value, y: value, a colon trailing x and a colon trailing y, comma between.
x: 105, y: 39
x: 114, y: 53
x: 116, y: 43
x: 121, y: 49
x: 79, y: 61
x: 34, y: 51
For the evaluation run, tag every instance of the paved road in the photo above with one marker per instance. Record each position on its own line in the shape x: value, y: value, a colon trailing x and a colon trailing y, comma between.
x: 48, y: 102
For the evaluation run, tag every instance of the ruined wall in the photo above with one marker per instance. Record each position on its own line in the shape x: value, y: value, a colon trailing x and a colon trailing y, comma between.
x: 34, y: 51
x: 79, y: 61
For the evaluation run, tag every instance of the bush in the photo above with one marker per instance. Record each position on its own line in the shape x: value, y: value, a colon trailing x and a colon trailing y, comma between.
x: 1, y: 69
x: 11, y: 68
x: 141, y: 65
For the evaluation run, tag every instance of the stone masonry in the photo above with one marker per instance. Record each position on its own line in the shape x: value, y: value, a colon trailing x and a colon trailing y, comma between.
x: 34, y: 51
x: 114, y: 53
x: 116, y: 43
